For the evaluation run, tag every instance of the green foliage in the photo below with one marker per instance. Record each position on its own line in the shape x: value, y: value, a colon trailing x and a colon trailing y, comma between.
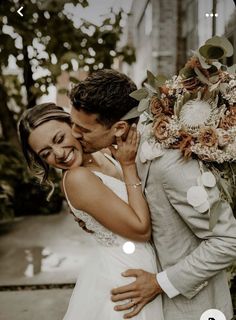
x: 216, y: 48
x: 46, y: 39
x: 20, y: 194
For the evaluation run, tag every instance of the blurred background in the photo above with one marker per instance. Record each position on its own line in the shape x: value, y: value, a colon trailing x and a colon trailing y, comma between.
x: 43, y: 52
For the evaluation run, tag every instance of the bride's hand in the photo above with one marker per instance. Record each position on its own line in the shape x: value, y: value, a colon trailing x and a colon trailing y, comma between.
x: 126, y: 150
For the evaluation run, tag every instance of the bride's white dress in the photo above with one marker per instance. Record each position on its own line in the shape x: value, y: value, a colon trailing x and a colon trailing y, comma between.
x: 91, y: 298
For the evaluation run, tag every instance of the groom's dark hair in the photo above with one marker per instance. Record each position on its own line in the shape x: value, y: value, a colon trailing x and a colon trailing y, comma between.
x: 106, y: 94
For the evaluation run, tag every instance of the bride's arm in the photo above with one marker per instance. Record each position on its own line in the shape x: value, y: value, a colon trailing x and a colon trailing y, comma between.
x: 88, y: 193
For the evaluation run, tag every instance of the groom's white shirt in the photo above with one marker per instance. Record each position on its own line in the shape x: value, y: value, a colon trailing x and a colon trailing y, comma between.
x: 166, y: 285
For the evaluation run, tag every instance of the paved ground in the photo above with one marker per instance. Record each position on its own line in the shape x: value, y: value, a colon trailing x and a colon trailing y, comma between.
x: 34, y: 305
x: 39, y: 250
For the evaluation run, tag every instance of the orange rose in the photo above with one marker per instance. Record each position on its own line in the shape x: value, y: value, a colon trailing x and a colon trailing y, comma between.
x: 232, y: 114
x: 160, y: 127
x: 167, y: 106
x: 184, y: 143
x: 165, y: 90
x: 208, y: 137
x: 156, y: 106
x: 229, y: 120
x: 192, y: 63
x: 191, y: 84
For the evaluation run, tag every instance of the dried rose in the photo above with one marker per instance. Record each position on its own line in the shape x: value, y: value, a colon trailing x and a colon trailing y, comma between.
x: 191, y: 84
x: 184, y: 143
x: 160, y: 127
x: 225, y: 123
x: 229, y: 120
x: 192, y: 63
x: 165, y: 90
x: 195, y: 63
x: 156, y: 106
x: 232, y: 114
x: 208, y: 137
x: 159, y: 106
x: 223, y: 137
x: 167, y: 106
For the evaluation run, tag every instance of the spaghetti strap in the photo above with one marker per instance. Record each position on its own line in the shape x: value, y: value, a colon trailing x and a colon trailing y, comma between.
x: 115, y: 162
x: 64, y: 188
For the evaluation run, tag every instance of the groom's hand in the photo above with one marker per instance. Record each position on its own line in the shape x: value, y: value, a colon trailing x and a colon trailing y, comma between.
x: 140, y: 292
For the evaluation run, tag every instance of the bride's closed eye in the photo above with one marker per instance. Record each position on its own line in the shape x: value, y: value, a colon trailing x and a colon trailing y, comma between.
x: 45, y: 155
x: 60, y: 138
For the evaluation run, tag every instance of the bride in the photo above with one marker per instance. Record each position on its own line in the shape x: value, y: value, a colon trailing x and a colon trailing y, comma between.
x: 106, y: 195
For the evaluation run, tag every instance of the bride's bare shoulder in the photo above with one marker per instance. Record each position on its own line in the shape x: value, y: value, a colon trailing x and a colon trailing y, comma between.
x: 78, y: 176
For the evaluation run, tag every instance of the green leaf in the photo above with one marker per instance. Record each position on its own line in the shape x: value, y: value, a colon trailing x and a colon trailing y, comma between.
x: 201, y: 76
x: 143, y: 105
x: 202, y: 60
x: 151, y: 90
x: 223, y: 43
x: 186, y: 72
x: 217, y: 64
x: 160, y: 80
x: 151, y: 78
x: 223, y: 87
x: 232, y: 69
x: 212, y: 52
x: 139, y: 94
x: 214, y: 86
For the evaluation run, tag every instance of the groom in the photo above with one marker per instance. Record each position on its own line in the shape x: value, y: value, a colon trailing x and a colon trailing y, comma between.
x: 190, y: 257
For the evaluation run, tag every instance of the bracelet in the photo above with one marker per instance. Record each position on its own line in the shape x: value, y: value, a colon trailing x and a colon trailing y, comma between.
x: 134, y: 185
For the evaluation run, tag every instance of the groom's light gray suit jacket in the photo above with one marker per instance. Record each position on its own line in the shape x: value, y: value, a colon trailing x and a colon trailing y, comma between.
x: 193, y: 256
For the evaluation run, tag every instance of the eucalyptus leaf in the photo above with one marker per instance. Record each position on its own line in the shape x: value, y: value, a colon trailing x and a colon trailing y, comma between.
x: 151, y: 90
x: 214, y: 79
x: 202, y: 60
x: 223, y: 87
x: 232, y: 69
x: 160, y: 80
x: 214, y: 86
x: 139, y: 94
x: 201, y: 76
x: 212, y: 52
x: 151, y: 78
x: 222, y: 42
x: 217, y: 64
x: 187, y: 72
x: 143, y: 105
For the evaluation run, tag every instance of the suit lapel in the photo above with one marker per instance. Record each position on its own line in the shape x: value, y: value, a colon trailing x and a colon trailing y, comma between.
x: 143, y: 169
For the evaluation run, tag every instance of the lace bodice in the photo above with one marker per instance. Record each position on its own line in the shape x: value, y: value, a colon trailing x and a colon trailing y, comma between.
x: 102, y: 234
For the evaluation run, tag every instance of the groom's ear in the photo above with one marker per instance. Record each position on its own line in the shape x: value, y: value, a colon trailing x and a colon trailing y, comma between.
x: 120, y: 128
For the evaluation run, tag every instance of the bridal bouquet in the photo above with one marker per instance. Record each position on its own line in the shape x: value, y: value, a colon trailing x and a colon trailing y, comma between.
x: 194, y: 111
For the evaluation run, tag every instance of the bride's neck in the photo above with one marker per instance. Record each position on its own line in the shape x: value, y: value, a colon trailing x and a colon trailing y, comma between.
x: 90, y: 160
